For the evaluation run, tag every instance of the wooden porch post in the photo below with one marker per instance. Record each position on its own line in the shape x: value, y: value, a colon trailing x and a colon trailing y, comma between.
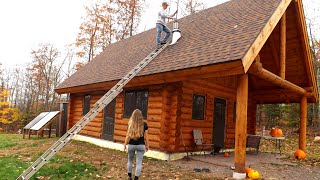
x: 303, y: 124
x: 241, y: 127
x: 283, y: 38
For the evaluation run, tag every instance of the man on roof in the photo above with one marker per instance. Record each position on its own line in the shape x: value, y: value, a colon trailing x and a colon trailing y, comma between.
x: 163, y: 17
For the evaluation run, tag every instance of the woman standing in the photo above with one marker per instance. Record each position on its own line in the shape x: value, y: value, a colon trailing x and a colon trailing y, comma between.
x: 137, y: 138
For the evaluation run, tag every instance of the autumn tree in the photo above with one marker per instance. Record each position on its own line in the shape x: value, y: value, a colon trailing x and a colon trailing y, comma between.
x: 107, y: 22
x: 8, y: 115
x: 46, y: 72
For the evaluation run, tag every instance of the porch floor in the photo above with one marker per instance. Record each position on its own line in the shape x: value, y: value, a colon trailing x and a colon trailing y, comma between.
x: 269, y: 166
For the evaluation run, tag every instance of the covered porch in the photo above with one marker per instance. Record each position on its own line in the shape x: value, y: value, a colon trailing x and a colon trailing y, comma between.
x: 278, y: 69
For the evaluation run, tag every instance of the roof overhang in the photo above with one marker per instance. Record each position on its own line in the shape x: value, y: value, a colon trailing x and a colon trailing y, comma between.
x: 217, y: 70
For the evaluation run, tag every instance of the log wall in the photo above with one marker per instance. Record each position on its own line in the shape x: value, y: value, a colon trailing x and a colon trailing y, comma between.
x: 211, y: 89
x: 75, y: 113
x: 169, y: 115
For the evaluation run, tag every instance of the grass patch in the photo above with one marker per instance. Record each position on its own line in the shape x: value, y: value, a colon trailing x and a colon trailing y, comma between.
x: 8, y: 140
x: 11, y: 167
x: 58, y: 168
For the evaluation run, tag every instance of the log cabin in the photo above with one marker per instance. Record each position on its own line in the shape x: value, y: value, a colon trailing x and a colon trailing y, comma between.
x: 230, y: 58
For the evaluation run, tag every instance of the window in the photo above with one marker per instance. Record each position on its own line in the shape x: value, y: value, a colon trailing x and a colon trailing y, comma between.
x: 86, y: 104
x: 198, y: 105
x: 135, y: 99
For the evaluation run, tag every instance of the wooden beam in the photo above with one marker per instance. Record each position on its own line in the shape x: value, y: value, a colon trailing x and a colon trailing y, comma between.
x: 216, y: 70
x: 274, y: 50
x: 264, y: 35
x: 303, y: 124
x: 283, y: 39
x: 302, y: 27
x: 241, y: 124
x: 257, y: 70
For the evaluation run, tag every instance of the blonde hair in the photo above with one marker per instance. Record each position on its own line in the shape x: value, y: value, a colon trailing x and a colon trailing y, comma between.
x: 135, y: 125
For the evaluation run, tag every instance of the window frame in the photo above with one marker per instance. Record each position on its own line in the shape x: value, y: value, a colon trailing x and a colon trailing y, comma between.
x: 136, y: 91
x: 86, y: 105
x: 203, y: 108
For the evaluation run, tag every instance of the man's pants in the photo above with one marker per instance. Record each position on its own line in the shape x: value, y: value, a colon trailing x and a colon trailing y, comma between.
x: 161, y: 28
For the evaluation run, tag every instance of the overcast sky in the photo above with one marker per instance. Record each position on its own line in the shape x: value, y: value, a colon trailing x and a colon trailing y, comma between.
x: 27, y: 23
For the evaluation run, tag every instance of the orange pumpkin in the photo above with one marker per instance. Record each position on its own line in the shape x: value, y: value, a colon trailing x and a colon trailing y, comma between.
x: 276, y: 132
x: 299, y: 154
x: 248, y: 169
x: 225, y: 154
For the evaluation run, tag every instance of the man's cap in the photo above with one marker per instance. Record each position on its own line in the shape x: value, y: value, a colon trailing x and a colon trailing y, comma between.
x: 165, y: 2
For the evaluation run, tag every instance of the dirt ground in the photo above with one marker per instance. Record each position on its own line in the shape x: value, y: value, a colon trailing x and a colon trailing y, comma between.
x: 111, y: 164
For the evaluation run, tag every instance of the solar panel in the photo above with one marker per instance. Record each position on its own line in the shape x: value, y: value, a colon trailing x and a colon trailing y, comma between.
x: 35, y: 120
x: 45, y: 120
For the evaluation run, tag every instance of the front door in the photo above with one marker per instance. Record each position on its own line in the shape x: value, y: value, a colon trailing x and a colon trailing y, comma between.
x: 108, y: 121
x: 219, y: 122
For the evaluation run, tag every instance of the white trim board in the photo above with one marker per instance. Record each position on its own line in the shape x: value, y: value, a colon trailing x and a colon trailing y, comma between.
x: 119, y: 146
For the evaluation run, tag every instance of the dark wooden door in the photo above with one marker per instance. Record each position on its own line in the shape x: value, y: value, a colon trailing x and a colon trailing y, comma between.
x: 219, y: 122
x: 108, y: 121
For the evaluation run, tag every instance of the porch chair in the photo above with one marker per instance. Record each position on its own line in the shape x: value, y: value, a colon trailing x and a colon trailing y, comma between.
x: 200, y: 141
x: 253, y: 142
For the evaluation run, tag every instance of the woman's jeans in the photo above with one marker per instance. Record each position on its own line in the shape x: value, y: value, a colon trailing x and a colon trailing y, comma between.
x: 139, y: 149
x: 161, y: 28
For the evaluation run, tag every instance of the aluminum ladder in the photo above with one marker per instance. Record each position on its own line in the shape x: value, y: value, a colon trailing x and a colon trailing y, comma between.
x: 97, y: 107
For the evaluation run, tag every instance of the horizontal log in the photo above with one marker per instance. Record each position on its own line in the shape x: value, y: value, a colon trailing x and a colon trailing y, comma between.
x: 119, y: 116
x: 157, y: 92
x: 186, y: 110
x: 119, y: 138
x: 257, y: 70
x: 186, y: 90
x: 119, y: 105
x: 154, y: 138
x: 119, y: 110
x: 154, y: 131
x: 154, y: 145
x: 154, y: 117
x: 90, y: 133
x: 93, y: 129
x: 120, y: 127
x: 155, y: 99
x: 120, y: 133
x: 122, y: 121
x: 155, y: 105
x: 154, y: 125
x: 155, y: 111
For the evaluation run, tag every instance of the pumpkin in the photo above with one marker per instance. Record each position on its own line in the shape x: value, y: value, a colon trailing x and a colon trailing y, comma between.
x: 248, y: 169
x: 276, y: 132
x: 299, y: 154
x: 226, y: 154
x: 253, y: 174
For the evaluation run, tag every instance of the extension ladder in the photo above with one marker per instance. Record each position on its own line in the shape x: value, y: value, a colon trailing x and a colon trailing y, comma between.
x: 97, y: 107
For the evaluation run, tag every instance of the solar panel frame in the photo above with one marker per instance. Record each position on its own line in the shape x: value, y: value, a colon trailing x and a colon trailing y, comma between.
x: 36, y: 120
x: 44, y: 120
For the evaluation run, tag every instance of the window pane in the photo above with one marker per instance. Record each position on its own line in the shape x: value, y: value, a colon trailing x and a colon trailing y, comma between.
x: 129, y: 103
x: 198, y: 106
x: 137, y: 99
x: 142, y: 102
x: 86, y: 104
